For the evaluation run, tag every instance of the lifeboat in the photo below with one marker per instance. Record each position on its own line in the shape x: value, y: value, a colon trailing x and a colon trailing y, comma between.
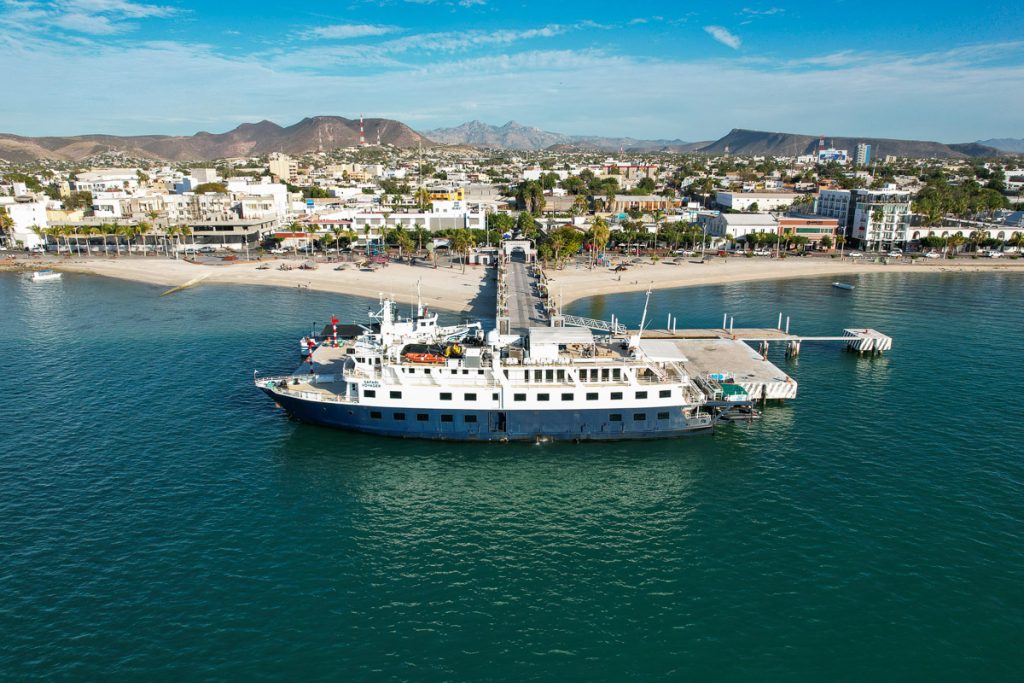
x: 424, y: 357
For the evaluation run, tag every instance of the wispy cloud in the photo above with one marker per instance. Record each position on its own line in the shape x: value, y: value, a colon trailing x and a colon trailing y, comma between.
x: 762, y: 12
x: 347, y: 31
x: 724, y: 36
x: 92, y: 17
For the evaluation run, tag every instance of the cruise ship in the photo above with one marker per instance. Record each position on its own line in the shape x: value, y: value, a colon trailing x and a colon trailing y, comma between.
x: 411, y: 377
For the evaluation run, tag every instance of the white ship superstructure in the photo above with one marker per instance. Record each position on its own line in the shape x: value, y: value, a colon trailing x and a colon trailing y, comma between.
x: 414, y: 378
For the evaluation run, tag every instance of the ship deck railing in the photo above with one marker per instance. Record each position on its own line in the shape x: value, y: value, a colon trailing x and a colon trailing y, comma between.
x: 305, y: 389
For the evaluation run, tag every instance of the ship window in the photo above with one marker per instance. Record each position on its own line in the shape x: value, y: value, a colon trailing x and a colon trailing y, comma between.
x: 446, y: 418
x: 549, y: 375
x: 369, y: 393
x: 616, y: 374
x: 639, y: 417
x: 422, y: 417
x: 543, y: 397
x: 399, y: 416
x: 615, y: 417
x: 560, y: 375
x: 446, y: 396
x: 616, y: 395
x: 641, y: 394
x: 375, y: 414
x: 470, y: 418
x: 479, y: 372
x: 662, y: 416
x: 519, y: 397
x: 470, y: 397
x: 604, y: 374
x: 494, y: 396
x: 591, y: 395
x: 567, y: 397
x: 396, y: 394
x: 665, y: 393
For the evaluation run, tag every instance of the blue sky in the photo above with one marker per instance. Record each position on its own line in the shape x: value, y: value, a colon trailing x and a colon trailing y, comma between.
x: 950, y: 71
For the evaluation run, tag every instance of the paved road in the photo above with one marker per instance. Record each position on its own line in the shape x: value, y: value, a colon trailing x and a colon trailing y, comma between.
x: 524, y: 303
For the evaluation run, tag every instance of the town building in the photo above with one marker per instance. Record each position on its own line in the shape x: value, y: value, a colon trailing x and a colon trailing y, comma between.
x: 739, y: 225
x: 863, y: 156
x: 874, y: 219
x: 814, y: 228
x: 283, y: 166
x: 28, y: 214
x: 755, y: 201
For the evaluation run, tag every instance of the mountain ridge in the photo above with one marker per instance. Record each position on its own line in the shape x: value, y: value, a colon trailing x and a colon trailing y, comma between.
x: 742, y: 141
x: 1012, y: 145
x: 515, y: 136
x: 311, y: 134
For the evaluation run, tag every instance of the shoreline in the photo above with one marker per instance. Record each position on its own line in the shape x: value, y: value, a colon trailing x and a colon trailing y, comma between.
x: 570, y: 285
x: 452, y: 290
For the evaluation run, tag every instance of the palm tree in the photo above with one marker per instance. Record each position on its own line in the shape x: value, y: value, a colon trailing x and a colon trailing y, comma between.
x: 421, y: 236
x: 171, y: 233
x: 461, y: 241
x: 600, y: 233
x: 977, y: 237
x: 94, y: 231
x: 143, y: 228
x: 953, y: 242
x: 6, y: 224
x: 128, y: 231
x: 186, y: 230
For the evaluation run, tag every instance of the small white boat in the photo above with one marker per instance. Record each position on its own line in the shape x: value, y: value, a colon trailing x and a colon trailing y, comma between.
x: 42, y: 275
x: 841, y: 285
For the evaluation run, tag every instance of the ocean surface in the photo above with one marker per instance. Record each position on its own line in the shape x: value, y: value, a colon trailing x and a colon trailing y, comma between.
x: 160, y: 519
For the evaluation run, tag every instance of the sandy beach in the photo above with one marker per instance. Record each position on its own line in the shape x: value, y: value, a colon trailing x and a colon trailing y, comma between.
x: 571, y: 284
x: 447, y: 288
x: 451, y: 289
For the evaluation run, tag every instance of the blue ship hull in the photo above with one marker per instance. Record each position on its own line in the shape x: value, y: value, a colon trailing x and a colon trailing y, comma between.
x: 498, y: 425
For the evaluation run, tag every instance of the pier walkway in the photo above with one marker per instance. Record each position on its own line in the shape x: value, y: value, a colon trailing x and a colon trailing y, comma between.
x: 520, y: 305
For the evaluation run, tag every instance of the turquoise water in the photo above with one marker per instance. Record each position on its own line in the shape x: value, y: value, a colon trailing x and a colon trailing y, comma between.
x: 160, y: 519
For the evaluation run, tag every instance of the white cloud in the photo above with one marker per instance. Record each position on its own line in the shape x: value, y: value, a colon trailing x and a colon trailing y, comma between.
x: 868, y: 94
x: 346, y: 31
x: 724, y: 36
x: 762, y: 12
x: 92, y: 17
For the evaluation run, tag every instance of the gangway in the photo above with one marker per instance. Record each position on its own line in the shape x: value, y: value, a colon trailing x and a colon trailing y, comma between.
x: 594, y: 324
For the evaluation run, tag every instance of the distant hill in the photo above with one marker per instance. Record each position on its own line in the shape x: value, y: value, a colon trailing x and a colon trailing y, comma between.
x: 1012, y: 145
x: 515, y: 136
x: 317, y: 133
x: 750, y: 142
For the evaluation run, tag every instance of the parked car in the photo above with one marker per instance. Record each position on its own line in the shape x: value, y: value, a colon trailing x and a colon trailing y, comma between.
x: 933, y: 254
x: 762, y: 252
x: 207, y: 249
x: 855, y: 254
x: 895, y: 253
x: 278, y: 250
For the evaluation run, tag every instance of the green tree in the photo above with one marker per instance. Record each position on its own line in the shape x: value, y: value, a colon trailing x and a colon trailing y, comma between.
x: 218, y: 188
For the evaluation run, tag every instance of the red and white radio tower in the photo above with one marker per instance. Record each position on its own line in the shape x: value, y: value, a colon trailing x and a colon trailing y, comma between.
x: 362, y: 134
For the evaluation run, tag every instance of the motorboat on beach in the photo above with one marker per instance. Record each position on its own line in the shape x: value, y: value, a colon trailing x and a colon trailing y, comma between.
x: 842, y: 285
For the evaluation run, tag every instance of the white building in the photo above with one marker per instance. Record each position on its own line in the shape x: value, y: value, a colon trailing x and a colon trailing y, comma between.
x: 26, y: 216
x: 766, y: 201
x: 106, y: 180
x: 881, y: 218
x: 739, y: 225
